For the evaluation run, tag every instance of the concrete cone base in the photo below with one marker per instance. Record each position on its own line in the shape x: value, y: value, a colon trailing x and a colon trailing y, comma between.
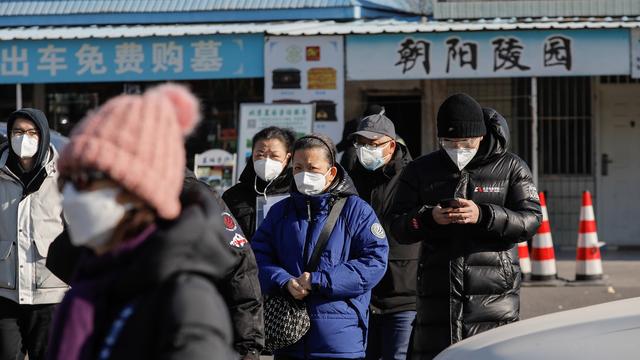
x: 590, y: 282
x: 555, y: 282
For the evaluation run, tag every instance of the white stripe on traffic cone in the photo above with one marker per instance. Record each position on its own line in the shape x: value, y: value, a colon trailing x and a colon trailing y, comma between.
x: 542, y: 253
x: 525, y: 261
x: 588, y: 259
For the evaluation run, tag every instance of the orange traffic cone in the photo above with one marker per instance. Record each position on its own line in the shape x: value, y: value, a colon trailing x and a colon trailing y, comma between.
x: 588, y: 260
x: 525, y: 261
x: 543, y: 264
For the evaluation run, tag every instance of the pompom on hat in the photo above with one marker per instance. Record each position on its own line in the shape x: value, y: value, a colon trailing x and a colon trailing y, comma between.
x: 138, y: 140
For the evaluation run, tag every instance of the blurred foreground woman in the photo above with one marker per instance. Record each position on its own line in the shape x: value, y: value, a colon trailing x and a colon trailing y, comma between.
x: 146, y: 290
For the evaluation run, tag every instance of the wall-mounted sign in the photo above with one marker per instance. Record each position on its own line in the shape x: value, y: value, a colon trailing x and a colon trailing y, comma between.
x: 307, y: 69
x: 255, y: 117
x: 217, y: 168
x: 131, y: 59
x: 488, y: 54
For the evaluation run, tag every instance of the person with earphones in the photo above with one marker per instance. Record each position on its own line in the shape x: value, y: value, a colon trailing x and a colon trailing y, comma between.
x: 267, y: 174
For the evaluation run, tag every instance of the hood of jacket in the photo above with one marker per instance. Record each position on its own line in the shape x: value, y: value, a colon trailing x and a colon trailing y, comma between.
x: 497, y: 141
x: 41, y: 122
x: 278, y: 185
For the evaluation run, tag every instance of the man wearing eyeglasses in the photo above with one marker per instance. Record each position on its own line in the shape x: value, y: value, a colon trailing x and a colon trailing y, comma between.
x: 381, y: 158
x: 468, y: 204
x: 30, y: 219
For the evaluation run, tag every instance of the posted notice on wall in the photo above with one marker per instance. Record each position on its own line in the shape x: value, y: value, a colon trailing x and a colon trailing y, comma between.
x: 255, y: 117
x: 635, y: 53
x: 308, y: 69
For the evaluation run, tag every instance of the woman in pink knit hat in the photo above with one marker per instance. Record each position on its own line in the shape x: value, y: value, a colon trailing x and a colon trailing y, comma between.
x: 145, y: 286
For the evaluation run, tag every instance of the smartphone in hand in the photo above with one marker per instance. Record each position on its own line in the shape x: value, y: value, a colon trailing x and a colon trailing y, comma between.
x: 449, y: 203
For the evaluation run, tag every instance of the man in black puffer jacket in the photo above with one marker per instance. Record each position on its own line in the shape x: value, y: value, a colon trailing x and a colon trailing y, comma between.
x: 468, y: 275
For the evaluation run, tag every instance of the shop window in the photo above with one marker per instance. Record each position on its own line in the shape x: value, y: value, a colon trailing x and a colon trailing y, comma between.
x: 66, y: 109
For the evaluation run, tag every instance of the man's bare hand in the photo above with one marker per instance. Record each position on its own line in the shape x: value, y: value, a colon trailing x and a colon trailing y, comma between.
x: 467, y: 213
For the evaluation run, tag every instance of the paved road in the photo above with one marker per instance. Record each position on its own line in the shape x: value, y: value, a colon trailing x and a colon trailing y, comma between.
x: 622, y: 270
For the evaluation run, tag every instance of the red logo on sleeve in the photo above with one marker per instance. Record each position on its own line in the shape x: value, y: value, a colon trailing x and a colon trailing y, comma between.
x: 229, y: 222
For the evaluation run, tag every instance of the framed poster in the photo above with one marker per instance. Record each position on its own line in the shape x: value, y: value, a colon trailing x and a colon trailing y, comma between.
x: 255, y: 117
x: 308, y: 69
x: 217, y: 168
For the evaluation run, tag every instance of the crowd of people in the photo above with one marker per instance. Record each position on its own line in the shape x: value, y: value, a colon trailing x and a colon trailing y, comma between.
x: 112, y: 249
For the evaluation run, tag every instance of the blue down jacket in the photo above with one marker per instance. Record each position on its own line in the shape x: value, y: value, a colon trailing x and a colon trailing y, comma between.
x: 353, y: 262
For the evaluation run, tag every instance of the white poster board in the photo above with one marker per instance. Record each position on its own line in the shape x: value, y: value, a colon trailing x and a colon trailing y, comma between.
x: 255, y: 117
x: 264, y: 205
x: 635, y: 53
x: 308, y: 69
x: 217, y: 168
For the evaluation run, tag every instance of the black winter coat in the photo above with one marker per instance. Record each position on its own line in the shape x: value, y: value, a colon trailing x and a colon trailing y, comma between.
x: 240, y: 286
x: 170, y: 278
x: 469, y: 275
x: 397, y: 290
x: 241, y: 198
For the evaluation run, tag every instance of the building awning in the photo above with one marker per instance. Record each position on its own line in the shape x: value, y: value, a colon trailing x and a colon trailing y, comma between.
x: 106, y: 12
x: 305, y: 28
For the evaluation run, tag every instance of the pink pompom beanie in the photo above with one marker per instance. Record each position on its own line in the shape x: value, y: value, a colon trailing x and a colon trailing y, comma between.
x: 138, y: 140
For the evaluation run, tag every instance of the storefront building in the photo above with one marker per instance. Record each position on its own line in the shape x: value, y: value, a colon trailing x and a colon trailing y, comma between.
x: 67, y: 57
x: 567, y: 86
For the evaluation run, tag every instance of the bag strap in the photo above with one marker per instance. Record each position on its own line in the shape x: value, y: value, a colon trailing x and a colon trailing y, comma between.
x: 323, y: 239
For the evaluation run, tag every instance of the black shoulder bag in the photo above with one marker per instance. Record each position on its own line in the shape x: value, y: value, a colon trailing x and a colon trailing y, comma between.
x: 286, y: 320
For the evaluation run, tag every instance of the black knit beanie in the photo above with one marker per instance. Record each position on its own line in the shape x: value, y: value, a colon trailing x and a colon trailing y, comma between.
x: 460, y: 116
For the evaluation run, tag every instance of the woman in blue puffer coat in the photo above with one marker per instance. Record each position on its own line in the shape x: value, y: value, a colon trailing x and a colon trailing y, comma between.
x: 337, y: 293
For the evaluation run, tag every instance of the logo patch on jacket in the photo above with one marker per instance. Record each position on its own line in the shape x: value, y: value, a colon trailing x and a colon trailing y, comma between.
x: 488, y: 189
x: 378, y: 231
x: 238, y: 241
x: 533, y: 192
x: 229, y: 223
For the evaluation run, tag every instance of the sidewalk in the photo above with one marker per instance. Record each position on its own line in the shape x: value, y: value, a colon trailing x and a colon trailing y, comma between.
x: 622, y: 275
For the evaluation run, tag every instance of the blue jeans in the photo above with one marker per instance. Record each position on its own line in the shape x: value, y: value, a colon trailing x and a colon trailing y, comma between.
x: 389, y: 335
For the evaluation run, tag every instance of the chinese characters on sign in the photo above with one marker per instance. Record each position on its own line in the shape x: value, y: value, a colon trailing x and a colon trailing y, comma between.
x: 466, y: 53
x: 507, y: 53
x: 410, y: 51
x: 557, y: 51
x: 489, y: 54
x: 157, y: 58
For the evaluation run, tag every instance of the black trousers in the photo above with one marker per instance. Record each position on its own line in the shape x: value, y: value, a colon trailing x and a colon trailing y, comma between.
x: 24, y: 329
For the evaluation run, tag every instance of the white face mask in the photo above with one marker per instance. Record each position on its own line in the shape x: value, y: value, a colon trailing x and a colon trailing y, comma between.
x: 461, y: 157
x: 24, y: 146
x: 92, y: 215
x: 267, y: 169
x: 372, y: 159
x: 310, y: 183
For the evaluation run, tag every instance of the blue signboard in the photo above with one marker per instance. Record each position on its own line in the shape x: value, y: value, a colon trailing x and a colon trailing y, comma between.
x: 488, y: 54
x: 132, y: 59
